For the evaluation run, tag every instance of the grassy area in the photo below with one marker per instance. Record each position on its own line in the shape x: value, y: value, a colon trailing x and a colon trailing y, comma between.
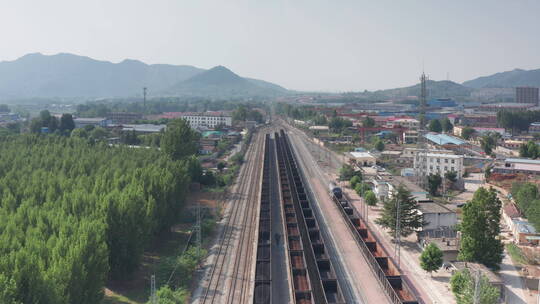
x: 516, y: 254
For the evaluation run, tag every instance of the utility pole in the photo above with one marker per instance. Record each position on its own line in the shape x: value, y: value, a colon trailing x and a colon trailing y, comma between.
x: 144, y: 97
x: 476, y: 299
x: 397, y: 253
x: 198, y: 227
x: 421, y: 156
x: 153, y: 298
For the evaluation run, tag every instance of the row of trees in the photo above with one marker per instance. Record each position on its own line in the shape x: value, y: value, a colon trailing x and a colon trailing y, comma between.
x: 517, y: 120
x: 64, y: 126
x: 74, y: 212
x: 440, y: 125
x: 159, y: 105
x: 527, y: 197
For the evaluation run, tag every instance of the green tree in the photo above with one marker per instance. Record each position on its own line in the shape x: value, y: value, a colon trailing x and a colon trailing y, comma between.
x: 431, y: 258
x: 368, y: 122
x: 379, y: 145
x: 410, y: 218
x: 179, y: 140
x: 434, y: 182
x: 463, y: 288
x: 165, y: 295
x: 346, y: 172
x: 99, y: 133
x: 361, y: 189
x: 488, y: 142
x: 480, y: 229
x: 446, y: 125
x: 66, y: 123
x: 467, y: 133
x: 451, y: 176
x: 370, y: 198
x: 221, y: 166
x: 354, y: 181
x: 4, y: 108
x: 435, y: 126
x: 80, y: 133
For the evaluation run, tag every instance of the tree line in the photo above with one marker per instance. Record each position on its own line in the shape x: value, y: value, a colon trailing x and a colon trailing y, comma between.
x: 527, y: 198
x: 517, y: 120
x: 75, y: 212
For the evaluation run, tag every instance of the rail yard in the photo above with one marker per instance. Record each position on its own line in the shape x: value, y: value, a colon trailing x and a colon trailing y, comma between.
x: 285, y: 238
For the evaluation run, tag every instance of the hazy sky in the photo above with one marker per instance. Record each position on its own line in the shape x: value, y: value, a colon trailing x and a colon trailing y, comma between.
x: 334, y: 45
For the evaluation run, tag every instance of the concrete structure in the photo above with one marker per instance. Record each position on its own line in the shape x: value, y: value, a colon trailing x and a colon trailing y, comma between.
x: 519, y: 165
x: 437, y: 216
x: 458, y: 130
x: 527, y: 95
x: 409, y: 123
x: 96, y: 122
x: 479, y: 120
x: 363, y: 159
x: 410, y: 137
x: 525, y: 233
x: 439, y: 164
x: 383, y: 190
x: 513, y: 144
x: 495, y: 107
x: 144, y: 128
x: 202, y: 119
x: 449, y: 247
x: 124, y: 117
x: 412, y: 152
x: 319, y: 128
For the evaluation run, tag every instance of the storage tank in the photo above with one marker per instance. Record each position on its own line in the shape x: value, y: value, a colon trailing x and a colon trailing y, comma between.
x: 335, y: 190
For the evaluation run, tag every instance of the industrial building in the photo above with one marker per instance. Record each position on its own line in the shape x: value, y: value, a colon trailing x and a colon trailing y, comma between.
x: 527, y: 95
x: 124, y: 117
x: 202, y: 119
x: 519, y: 165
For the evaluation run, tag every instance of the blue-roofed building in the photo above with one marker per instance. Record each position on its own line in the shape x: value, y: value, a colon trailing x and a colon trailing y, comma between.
x: 444, y: 139
x: 442, y: 103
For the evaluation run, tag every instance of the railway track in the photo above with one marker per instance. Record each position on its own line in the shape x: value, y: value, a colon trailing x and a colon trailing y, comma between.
x: 226, y: 285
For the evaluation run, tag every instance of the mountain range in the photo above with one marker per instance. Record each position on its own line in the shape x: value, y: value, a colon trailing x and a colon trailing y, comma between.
x: 71, y: 76
x: 67, y: 76
x: 496, y: 87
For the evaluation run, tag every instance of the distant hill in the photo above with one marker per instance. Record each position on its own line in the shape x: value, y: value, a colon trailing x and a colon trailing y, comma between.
x: 220, y: 81
x: 436, y: 89
x: 509, y: 79
x: 72, y: 76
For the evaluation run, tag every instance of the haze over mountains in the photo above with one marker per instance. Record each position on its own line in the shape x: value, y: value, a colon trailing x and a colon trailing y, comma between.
x: 71, y: 76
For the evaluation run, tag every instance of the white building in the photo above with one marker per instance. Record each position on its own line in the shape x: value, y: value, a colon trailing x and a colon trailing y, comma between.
x: 207, y: 119
x: 437, y: 216
x: 363, y: 159
x: 435, y: 163
x: 409, y: 123
x: 96, y: 122
x: 383, y: 190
